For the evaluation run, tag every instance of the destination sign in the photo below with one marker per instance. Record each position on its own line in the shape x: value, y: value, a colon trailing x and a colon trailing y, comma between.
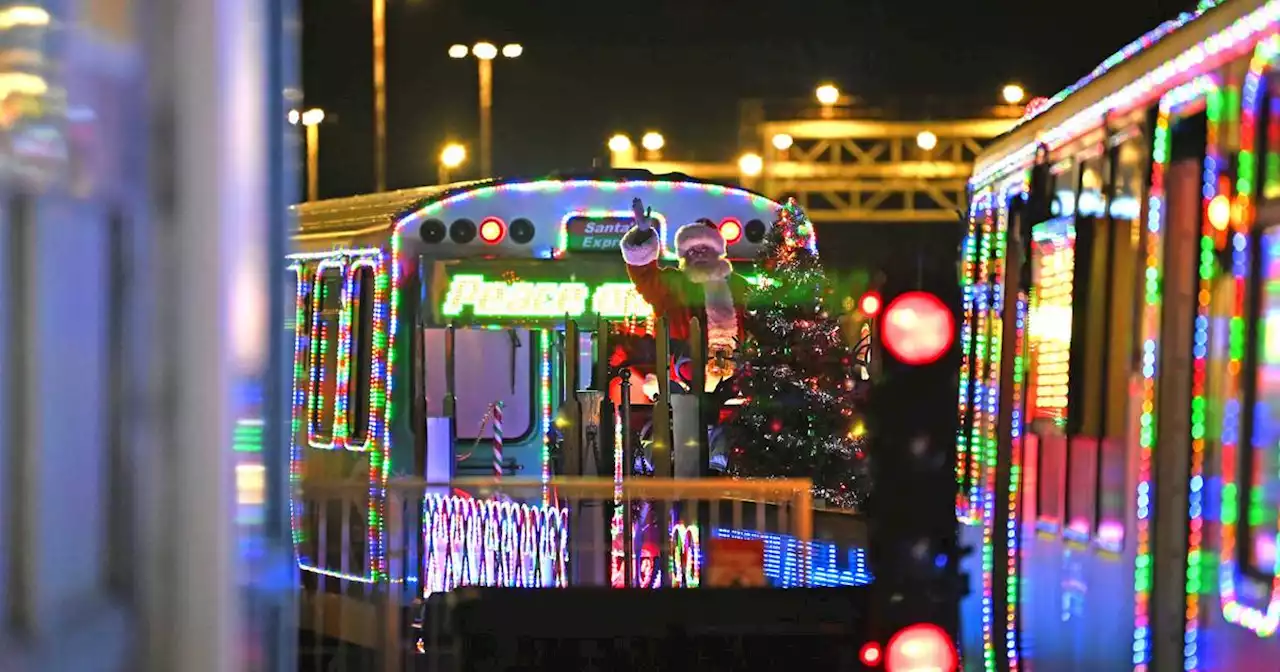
x: 600, y: 233
x: 541, y: 300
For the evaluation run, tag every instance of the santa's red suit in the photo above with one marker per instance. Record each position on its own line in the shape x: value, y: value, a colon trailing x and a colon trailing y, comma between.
x: 717, y: 299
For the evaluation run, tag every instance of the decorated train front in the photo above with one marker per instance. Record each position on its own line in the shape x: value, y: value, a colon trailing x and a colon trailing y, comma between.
x: 430, y: 342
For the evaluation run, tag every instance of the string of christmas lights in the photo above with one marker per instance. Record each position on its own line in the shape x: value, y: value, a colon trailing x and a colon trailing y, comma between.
x: 483, y: 542
x: 1201, y: 57
x: 311, y: 344
x: 969, y: 251
x: 1173, y: 104
x: 1262, y: 621
x: 756, y: 201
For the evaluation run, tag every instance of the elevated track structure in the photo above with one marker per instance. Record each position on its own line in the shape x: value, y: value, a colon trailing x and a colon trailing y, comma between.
x: 894, y: 162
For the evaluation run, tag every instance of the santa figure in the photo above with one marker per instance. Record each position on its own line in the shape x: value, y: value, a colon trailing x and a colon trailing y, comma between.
x: 704, y: 286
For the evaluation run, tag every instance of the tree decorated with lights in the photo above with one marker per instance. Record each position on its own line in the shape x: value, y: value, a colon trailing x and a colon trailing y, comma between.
x: 799, y: 418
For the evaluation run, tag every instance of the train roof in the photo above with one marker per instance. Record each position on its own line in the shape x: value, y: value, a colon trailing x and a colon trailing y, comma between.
x: 371, y: 210
x: 1145, y: 67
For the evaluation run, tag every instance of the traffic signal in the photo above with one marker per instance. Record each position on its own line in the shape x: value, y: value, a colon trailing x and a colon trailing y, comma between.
x: 869, y: 304
x: 913, y: 544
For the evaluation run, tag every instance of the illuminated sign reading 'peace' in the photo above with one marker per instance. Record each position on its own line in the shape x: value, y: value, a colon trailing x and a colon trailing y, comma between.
x: 525, y: 299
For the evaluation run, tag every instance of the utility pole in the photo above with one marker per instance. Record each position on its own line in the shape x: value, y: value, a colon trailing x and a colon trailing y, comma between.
x: 380, y: 94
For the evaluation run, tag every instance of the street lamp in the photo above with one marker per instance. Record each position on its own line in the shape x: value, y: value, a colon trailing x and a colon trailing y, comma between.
x: 1013, y: 94
x: 653, y: 142
x: 380, y: 94
x: 452, y: 156
x: 926, y: 140
x: 751, y: 164
x: 485, y: 53
x: 621, y: 152
x: 310, y: 120
x: 828, y: 95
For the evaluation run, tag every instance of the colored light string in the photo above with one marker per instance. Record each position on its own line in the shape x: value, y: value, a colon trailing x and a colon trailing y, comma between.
x: 299, y: 406
x: 1207, y: 88
x: 311, y: 343
x: 1263, y: 622
x: 1013, y: 521
x: 1201, y: 57
x: 830, y: 565
x: 1127, y: 52
x: 990, y: 436
x: 544, y: 398
x: 981, y: 201
x: 1170, y: 105
x: 320, y: 343
x: 428, y: 209
x: 979, y: 374
x: 484, y: 542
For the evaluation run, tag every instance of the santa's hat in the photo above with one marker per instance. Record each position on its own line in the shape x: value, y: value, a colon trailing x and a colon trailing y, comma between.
x: 702, y: 232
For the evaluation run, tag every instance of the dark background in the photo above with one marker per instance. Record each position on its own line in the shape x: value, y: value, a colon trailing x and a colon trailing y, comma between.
x: 593, y: 68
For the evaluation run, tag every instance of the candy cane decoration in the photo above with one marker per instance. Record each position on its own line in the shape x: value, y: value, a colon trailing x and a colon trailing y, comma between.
x: 497, y: 441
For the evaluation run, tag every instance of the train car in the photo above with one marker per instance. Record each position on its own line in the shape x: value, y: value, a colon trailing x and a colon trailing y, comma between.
x: 419, y: 312
x: 1118, y: 451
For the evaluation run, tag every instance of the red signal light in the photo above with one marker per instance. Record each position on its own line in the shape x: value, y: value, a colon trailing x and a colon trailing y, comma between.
x: 869, y: 304
x: 870, y: 654
x: 492, y: 230
x: 917, y: 328
x: 921, y: 648
x: 731, y: 230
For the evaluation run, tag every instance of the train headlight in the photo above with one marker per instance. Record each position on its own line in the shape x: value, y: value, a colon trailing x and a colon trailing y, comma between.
x: 492, y: 230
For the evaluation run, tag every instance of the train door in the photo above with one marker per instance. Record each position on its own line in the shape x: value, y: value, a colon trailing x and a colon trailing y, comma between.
x: 1174, y: 414
x: 1241, y: 609
x: 471, y: 370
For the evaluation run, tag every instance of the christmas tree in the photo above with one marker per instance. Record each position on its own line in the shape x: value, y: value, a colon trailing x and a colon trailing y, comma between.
x: 798, y: 419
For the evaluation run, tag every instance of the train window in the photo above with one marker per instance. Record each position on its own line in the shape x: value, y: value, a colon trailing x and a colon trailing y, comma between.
x: 1064, y: 188
x: 360, y: 366
x: 1119, y: 341
x: 1091, y: 203
x: 490, y: 365
x: 1260, y: 487
x: 586, y: 359
x: 327, y: 309
x: 1049, y: 338
x: 1049, y: 327
x: 1088, y: 346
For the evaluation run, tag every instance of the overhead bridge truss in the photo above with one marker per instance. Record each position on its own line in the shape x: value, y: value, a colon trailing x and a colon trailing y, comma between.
x: 851, y: 170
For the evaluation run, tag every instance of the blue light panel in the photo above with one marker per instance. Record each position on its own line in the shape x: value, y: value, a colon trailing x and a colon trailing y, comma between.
x: 826, y: 569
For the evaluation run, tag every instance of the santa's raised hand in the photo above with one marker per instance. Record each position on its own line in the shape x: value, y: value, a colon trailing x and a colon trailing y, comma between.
x: 641, y: 213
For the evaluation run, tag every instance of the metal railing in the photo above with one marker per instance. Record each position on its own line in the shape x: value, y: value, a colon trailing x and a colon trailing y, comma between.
x: 363, y: 609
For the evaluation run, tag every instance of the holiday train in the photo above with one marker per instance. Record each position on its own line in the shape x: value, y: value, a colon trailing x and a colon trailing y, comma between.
x: 1119, y: 411
x: 419, y: 311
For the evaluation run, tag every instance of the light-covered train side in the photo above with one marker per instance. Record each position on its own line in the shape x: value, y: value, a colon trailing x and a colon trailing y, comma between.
x: 1116, y: 458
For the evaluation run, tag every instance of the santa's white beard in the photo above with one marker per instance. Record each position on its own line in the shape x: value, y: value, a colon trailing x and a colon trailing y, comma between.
x: 705, y: 271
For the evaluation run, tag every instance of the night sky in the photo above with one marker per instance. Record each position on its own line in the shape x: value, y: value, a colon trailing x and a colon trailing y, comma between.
x: 592, y: 68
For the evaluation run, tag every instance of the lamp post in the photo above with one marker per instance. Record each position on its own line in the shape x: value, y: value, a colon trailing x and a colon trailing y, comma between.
x: 380, y: 95
x: 828, y: 95
x: 622, y: 154
x: 653, y: 142
x: 451, y: 157
x: 310, y: 120
x: 485, y: 53
x: 1013, y: 93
